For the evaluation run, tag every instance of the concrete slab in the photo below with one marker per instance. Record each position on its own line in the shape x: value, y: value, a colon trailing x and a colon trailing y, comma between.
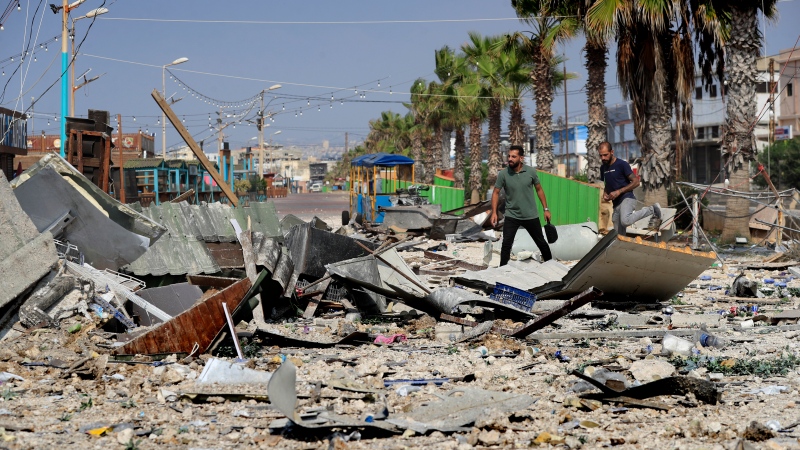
x: 25, y: 255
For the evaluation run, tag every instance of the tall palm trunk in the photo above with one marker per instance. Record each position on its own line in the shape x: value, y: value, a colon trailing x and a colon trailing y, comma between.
x: 495, y: 160
x: 596, y: 99
x: 741, y: 53
x: 445, y: 138
x: 461, y: 150
x: 543, y: 94
x: 436, y: 149
x: 428, y: 158
x: 516, y: 124
x: 416, y: 153
x: 475, y: 158
x: 658, y: 156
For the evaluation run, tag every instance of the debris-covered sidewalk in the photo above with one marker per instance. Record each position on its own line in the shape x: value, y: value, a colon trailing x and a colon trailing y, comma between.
x: 210, y: 326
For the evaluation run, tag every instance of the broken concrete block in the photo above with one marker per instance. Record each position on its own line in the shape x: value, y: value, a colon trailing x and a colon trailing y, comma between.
x: 109, y: 233
x: 696, y: 320
x: 25, y: 255
x: 647, y: 370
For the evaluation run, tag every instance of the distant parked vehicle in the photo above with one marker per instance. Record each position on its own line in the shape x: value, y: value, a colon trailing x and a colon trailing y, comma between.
x: 316, y: 187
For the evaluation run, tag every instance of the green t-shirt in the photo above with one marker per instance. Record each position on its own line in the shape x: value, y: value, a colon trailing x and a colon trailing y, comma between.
x: 520, y: 196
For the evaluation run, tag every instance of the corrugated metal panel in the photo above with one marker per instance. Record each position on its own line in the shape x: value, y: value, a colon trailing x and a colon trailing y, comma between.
x: 570, y: 201
x: 143, y: 163
x: 183, y: 250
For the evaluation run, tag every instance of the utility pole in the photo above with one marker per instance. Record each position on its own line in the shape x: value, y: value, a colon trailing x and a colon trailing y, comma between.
x: 261, y: 137
x: 566, y: 120
x: 771, y: 108
x: 345, y: 142
x: 121, y: 170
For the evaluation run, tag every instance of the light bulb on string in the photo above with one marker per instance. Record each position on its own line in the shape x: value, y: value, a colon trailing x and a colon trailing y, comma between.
x: 379, y: 83
x: 390, y: 90
x: 134, y: 118
x: 308, y: 102
x: 319, y: 109
x: 283, y: 107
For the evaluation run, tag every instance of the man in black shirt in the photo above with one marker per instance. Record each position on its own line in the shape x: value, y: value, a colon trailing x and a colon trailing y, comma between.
x: 620, y: 182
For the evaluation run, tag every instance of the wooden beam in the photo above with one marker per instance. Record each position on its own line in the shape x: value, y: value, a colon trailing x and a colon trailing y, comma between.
x: 198, y: 152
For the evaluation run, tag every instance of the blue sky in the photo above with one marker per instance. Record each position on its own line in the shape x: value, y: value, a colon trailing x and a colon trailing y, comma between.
x: 240, y: 54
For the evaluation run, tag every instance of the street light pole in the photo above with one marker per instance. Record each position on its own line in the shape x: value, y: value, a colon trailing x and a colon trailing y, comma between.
x: 72, y: 88
x: 271, y: 162
x: 164, y: 95
x: 261, y: 129
x: 65, y: 8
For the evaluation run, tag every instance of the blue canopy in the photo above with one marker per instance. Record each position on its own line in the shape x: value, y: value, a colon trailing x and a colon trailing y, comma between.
x: 381, y: 159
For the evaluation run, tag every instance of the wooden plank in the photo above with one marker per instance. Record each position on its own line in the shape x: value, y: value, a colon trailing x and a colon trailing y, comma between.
x: 198, y: 152
x: 104, y: 171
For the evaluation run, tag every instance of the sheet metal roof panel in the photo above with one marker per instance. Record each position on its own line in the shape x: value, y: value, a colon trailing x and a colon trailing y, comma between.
x: 264, y: 218
x: 143, y: 163
x: 632, y: 269
x: 175, y: 256
x: 202, y: 219
x: 221, y: 220
x: 521, y: 275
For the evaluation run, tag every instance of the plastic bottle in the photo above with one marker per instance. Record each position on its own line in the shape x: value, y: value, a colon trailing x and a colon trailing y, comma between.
x: 708, y: 340
x: 674, y: 345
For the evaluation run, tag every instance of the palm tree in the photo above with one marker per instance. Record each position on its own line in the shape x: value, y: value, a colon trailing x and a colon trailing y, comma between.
x: 656, y: 70
x: 390, y: 134
x: 552, y: 22
x: 448, y: 66
x: 596, y: 48
x: 738, y: 142
x: 493, y: 66
x: 471, y: 93
x: 418, y: 109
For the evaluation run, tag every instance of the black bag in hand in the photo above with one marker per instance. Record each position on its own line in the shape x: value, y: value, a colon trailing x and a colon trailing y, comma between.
x: 551, y: 233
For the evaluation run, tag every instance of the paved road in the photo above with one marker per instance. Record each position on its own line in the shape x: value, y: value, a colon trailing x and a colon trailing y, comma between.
x: 323, y: 205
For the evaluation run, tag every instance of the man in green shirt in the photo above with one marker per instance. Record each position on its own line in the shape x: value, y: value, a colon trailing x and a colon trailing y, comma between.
x: 519, y: 180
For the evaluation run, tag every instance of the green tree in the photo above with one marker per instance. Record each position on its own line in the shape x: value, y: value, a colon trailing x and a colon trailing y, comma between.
x: 471, y: 93
x: 391, y: 133
x: 448, y: 65
x: 552, y: 22
x: 783, y: 168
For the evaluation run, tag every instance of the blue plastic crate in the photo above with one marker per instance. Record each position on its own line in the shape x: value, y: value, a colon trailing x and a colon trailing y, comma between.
x: 511, y: 296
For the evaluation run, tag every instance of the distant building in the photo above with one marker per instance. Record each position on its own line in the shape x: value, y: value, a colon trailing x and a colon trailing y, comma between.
x: 787, y: 102
x: 134, y: 146
x: 13, y: 131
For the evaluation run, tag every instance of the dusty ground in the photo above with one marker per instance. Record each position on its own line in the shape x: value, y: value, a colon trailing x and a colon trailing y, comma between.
x: 107, y: 405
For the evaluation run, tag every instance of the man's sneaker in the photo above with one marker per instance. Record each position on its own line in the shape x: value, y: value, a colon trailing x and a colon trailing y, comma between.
x: 655, y: 222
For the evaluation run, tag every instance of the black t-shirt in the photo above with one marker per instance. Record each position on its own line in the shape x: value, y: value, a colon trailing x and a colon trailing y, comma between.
x: 616, y: 176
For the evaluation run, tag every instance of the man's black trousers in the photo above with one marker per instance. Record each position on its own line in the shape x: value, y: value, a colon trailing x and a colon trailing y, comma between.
x: 534, y: 228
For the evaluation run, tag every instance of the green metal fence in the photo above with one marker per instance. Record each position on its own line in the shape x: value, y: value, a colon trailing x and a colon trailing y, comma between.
x: 570, y: 201
x: 448, y: 197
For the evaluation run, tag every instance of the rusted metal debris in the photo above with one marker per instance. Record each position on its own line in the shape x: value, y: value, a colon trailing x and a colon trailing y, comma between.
x: 197, y: 326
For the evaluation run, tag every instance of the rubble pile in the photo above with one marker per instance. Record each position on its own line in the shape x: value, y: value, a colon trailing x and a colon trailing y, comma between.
x: 230, y: 327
